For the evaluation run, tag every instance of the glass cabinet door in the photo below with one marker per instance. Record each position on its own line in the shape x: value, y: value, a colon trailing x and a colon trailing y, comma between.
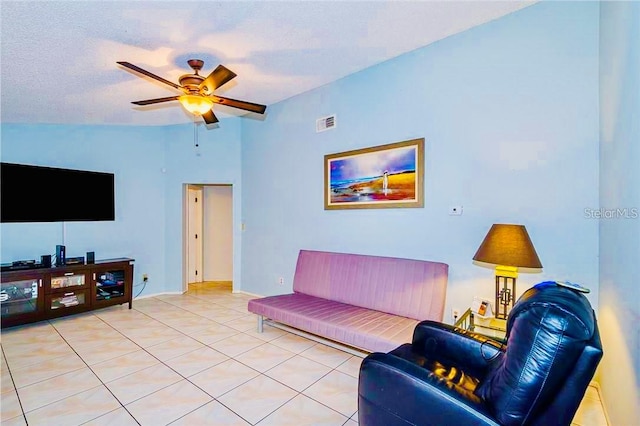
x: 67, y: 300
x: 68, y: 280
x: 20, y: 297
x: 110, y: 284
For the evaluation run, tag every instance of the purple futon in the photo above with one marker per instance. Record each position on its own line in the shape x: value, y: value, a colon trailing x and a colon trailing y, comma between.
x: 371, y: 303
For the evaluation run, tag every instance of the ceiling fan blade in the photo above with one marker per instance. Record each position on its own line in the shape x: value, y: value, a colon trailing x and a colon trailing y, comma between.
x: 210, y: 117
x: 217, y: 78
x: 156, y: 101
x: 148, y: 74
x: 249, y: 106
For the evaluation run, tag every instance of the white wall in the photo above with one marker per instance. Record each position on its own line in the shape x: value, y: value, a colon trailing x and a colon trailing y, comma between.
x: 619, y: 312
x: 218, y: 233
x: 509, y: 113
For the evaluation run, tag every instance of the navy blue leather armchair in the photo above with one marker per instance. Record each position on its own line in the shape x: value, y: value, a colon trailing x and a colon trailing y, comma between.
x: 449, y: 376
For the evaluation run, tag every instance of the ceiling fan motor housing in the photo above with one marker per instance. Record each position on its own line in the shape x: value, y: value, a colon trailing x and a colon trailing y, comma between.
x: 191, y: 82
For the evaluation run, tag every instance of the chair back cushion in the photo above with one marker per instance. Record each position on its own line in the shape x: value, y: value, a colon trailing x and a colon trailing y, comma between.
x: 552, y: 340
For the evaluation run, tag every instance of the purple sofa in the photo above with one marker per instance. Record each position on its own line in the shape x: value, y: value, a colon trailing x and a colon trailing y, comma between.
x: 371, y: 303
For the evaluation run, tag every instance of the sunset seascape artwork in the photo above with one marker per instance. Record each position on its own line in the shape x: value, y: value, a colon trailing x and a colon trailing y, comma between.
x: 374, y: 177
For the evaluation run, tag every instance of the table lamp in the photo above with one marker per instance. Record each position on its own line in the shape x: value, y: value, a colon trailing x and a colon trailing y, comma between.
x: 508, y: 247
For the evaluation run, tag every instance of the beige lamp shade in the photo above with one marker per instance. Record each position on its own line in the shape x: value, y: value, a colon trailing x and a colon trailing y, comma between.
x: 508, y: 245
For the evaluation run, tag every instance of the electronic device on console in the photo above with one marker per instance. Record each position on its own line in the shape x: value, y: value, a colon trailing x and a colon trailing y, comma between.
x: 45, y: 261
x: 18, y: 265
x: 61, y: 252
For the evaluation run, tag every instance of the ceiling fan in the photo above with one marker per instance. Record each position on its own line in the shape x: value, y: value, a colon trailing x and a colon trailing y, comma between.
x: 198, y: 97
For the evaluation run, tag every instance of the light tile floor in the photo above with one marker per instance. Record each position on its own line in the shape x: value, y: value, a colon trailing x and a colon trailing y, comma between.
x: 191, y: 359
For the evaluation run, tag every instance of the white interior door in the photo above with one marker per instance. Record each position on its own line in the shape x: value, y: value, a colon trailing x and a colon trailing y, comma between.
x: 194, y: 234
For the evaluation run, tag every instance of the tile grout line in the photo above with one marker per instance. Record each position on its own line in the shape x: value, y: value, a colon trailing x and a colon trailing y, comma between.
x: 94, y: 373
x: 263, y: 374
x: 15, y: 388
x: 297, y: 392
x: 183, y: 334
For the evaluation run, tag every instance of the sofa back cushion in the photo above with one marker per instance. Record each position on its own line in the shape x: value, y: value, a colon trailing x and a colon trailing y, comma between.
x: 406, y: 287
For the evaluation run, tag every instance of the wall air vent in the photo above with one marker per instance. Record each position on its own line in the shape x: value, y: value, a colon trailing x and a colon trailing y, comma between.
x: 326, y: 123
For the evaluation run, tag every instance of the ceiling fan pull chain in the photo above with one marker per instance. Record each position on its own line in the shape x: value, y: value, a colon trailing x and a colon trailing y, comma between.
x: 195, y: 132
x: 196, y: 143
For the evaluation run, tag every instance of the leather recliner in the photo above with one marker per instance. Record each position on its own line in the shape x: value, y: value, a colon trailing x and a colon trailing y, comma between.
x: 450, y: 376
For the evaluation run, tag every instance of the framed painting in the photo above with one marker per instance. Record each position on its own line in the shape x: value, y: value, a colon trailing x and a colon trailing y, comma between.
x: 385, y: 176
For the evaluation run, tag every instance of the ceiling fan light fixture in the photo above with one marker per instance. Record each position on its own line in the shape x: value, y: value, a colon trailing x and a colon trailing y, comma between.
x: 197, y: 90
x: 196, y: 104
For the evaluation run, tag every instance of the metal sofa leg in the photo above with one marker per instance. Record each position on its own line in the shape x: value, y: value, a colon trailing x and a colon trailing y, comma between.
x: 260, y: 321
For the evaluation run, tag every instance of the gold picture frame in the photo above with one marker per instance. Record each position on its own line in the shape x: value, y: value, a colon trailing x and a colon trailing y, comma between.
x: 380, y: 177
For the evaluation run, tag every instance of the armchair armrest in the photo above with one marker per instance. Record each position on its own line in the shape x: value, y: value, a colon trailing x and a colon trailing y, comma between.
x: 393, y: 391
x: 457, y: 345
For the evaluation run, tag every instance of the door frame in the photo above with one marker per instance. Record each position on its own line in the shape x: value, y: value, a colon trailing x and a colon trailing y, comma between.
x: 185, y: 232
x: 195, y: 224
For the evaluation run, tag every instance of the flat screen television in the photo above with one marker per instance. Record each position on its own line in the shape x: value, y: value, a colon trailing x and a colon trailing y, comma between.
x: 46, y: 194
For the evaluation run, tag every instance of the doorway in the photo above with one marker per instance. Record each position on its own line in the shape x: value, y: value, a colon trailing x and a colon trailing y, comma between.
x: 208, y: 236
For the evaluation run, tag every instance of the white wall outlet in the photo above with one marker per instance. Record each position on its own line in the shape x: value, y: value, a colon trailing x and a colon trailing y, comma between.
x: 281, y: 280
x: 455, y: 210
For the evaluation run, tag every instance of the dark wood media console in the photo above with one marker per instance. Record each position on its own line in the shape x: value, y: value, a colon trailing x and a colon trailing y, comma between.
x: 36, y: 294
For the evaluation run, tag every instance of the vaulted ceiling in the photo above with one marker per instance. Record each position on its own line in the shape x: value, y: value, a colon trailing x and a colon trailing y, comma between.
x: 58, y: 58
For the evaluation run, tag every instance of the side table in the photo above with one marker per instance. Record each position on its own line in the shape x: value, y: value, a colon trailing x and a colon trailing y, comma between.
x: 487, y: 326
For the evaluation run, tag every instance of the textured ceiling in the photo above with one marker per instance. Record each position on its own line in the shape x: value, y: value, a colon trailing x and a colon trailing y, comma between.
x: 58, y: 59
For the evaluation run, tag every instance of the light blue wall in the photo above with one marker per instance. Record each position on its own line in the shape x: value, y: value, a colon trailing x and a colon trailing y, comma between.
x: 620, y: 189
x: 509, y: 112
x: 217, y: 161
x: 134, y: 154
x: 150, y: 165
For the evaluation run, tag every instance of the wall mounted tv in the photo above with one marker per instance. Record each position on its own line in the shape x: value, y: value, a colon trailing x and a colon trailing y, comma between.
x: 46, y: 194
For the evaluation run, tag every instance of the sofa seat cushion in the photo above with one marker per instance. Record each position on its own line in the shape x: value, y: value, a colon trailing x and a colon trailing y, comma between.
x: 363, y: 328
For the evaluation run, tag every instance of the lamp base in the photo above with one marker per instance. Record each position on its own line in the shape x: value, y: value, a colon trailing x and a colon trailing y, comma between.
x: 505, y: 295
